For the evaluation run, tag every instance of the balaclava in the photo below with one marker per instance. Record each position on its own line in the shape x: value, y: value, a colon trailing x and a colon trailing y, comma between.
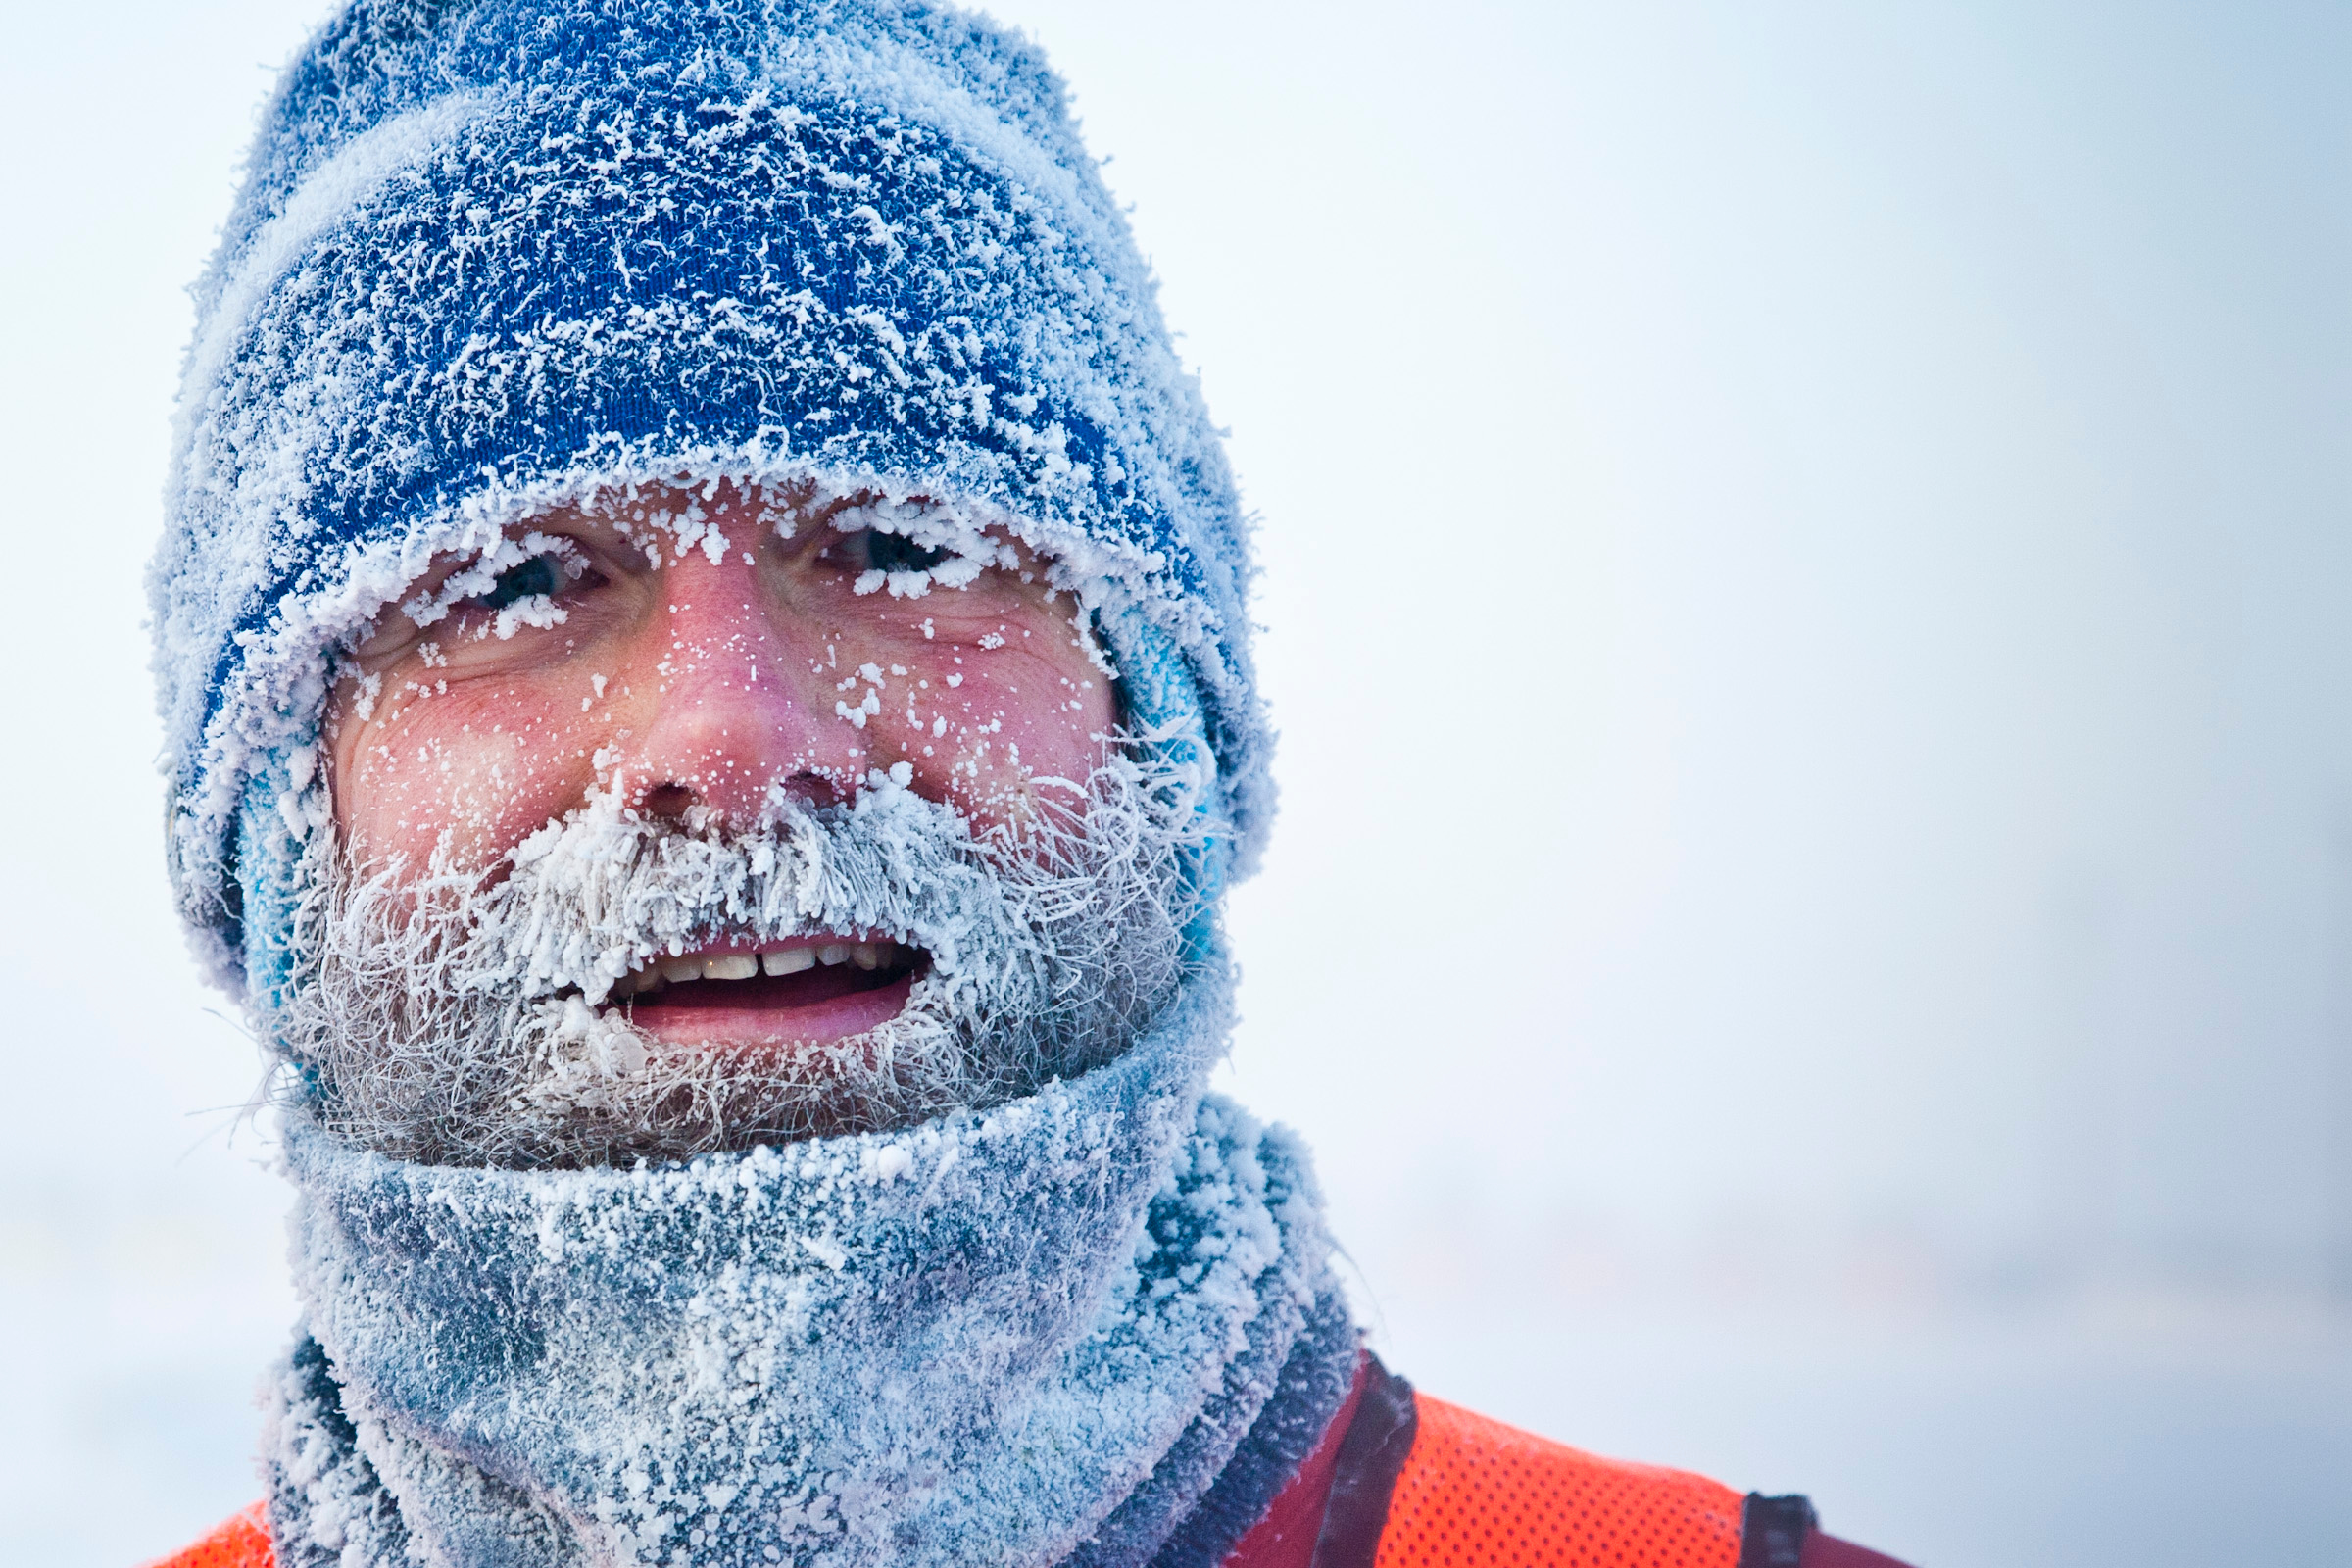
x: 492, y: 257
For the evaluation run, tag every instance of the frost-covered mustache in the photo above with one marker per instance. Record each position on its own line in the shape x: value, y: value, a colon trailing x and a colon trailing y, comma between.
x: 436, y: 1018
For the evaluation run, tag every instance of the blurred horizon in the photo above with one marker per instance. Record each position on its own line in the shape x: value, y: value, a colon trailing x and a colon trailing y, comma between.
x: 1805, y: 588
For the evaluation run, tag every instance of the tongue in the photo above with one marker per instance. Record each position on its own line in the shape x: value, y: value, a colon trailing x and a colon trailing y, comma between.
x: 811, y: 1009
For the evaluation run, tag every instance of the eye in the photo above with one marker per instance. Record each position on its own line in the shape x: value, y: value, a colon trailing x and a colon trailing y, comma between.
x: 868, y: 550
x: 536, y: 578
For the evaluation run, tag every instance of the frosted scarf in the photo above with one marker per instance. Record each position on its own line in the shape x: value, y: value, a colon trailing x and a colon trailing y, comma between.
x: 1097, y: 1325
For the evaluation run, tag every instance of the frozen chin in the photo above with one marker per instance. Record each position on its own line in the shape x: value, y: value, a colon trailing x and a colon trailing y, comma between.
x: 436, y: 1020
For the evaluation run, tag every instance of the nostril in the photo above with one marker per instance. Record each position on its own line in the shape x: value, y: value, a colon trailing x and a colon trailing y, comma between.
x: 670, y: 801
x: 813, y: 789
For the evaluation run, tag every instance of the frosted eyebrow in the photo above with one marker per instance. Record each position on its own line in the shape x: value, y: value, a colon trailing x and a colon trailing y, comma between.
x: 971, y: 548
x: 480, y: 576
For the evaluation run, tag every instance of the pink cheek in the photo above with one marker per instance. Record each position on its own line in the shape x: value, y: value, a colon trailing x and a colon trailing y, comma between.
x: 484, y: 773
x: 1047, y: 721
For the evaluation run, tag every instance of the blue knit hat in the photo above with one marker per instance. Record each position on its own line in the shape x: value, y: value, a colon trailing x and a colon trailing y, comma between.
x: 493, y: 256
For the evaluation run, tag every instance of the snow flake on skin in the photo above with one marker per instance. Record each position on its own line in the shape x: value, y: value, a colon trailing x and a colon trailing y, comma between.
x: 701, y: 631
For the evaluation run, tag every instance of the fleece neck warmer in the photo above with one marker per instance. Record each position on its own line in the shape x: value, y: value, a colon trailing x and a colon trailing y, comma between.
x: 1095, y: 1325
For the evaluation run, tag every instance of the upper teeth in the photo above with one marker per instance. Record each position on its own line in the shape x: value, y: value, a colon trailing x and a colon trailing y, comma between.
x: 659, y: 972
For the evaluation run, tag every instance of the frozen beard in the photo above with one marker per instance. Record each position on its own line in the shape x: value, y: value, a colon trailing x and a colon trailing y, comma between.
x: 1092, y: 1325
x: 440, y: 1016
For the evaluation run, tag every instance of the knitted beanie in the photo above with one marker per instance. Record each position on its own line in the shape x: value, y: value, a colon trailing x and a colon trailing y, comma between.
x: 498, y: 256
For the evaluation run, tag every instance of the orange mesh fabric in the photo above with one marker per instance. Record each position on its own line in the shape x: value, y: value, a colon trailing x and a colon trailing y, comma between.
x: 241, y: 1543
x: 1476, y: 1494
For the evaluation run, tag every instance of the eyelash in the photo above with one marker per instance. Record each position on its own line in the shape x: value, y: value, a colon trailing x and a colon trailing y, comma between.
x: 543, y: 577
x: 539, y: 577
x: 870, y: 550
x: 548, y: 576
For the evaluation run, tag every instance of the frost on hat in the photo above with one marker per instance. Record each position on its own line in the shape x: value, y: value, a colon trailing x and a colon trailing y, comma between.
x: 492, y: 257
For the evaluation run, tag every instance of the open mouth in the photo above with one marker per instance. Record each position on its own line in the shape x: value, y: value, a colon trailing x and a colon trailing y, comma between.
x: 807, y: 991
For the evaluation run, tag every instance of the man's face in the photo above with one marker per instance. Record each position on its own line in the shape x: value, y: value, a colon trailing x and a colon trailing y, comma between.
x: 683, y: 656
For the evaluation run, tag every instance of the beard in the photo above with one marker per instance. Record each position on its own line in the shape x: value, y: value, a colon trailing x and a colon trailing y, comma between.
x: 445, y: 1016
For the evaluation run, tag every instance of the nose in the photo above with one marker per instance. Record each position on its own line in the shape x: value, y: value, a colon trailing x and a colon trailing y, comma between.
x: 727, y: 720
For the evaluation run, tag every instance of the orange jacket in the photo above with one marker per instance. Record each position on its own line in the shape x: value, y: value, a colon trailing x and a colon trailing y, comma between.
x: 1405, y: 1480
x: 241, y: 1543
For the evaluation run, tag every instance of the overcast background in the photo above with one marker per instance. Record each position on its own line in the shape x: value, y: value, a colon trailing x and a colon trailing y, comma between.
x: 1806, y: 588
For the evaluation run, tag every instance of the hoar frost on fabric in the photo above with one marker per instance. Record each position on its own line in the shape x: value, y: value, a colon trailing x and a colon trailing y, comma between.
x: 499, y: 257
x: 493, y: 256
x: 1035, y: 1335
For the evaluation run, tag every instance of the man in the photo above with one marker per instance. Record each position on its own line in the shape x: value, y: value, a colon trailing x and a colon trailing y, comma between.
x: 703, y: 639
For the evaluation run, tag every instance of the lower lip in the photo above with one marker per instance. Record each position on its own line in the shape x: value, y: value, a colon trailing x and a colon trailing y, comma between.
x: 813, y: 1008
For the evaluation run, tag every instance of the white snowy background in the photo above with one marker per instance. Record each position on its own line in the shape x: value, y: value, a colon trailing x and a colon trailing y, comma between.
x: 1806, y: 583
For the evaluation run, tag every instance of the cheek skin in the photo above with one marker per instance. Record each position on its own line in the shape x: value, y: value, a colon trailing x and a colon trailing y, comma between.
x: 726, y: 689
x: 485, y: 764
x: 976, y: 723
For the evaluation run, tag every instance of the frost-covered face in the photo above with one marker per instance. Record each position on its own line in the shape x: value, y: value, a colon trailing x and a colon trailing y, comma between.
x: 695, y: 657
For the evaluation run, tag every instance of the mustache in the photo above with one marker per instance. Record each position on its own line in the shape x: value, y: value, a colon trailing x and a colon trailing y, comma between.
x: 440, y: 1015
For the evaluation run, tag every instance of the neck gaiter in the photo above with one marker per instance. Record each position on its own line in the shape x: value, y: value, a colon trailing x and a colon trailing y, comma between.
x: 1097, y: 1325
